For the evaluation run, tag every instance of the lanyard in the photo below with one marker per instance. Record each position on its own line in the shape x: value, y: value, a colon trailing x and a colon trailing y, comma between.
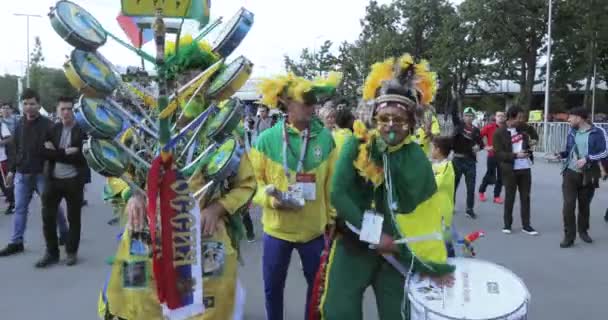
x: 306, y: 136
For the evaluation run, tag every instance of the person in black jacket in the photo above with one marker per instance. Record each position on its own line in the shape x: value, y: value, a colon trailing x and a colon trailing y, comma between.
x: 513, y: 151
x: 26, y: 167
x: 467, y: 142
x: 66, y: 175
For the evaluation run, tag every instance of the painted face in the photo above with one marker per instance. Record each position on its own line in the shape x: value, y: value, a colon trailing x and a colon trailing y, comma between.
x: 392, y: 123
x: 468, y: 118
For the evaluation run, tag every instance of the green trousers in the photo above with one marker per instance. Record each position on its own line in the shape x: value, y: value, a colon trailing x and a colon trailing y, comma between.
x: 349, y: 273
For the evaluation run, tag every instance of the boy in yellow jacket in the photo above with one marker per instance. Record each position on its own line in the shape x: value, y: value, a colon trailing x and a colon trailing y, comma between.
x: 293, y: 163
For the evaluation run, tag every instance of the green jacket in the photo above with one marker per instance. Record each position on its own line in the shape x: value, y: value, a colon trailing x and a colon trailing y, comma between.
x: 414, y: 189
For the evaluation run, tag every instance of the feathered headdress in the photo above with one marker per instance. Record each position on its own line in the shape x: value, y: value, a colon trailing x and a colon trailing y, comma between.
x: 191, y: 55
x: 401, y: 80
x: 291, y: 87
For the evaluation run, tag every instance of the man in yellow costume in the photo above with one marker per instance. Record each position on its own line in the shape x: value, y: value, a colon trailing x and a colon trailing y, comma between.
x: 222, y: 230
x: 293, y: 162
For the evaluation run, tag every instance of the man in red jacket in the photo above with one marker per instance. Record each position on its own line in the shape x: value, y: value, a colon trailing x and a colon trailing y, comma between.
x: 492, y: 175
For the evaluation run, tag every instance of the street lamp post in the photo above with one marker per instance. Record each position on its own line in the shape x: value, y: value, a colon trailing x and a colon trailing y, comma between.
x: 548, y: 80
x: 27, y: 69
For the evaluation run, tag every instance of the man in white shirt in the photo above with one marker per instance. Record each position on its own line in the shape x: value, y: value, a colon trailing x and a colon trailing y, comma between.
x: 512, y: 151
x: 6, y: 139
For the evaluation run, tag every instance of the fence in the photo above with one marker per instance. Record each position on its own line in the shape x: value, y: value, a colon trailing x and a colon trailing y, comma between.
x: 556, y: 134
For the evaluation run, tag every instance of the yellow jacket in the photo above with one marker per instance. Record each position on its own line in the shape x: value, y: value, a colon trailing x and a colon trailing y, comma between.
x: 444, y: 177
x: 267, y: 160
x: 425, y: 141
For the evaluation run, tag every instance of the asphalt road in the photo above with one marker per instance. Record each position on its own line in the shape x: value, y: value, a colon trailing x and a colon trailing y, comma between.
x: 565, y: 283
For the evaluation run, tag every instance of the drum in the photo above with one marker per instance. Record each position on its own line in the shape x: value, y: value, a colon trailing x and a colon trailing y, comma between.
x: 223, y: 162
x: 481, y: 291
x: 233, y: 33
x: 230, y: 80
x: 76, y: 26
x: 97, y: 119
x: 91, y: 74
x: 105, y: 157
x: 221, y: 125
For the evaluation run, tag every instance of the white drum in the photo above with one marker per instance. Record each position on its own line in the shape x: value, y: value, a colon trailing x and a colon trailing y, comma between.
x: 482, y: 291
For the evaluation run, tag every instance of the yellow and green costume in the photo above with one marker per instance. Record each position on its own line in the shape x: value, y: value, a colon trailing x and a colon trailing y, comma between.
x: 220, y: 258
x: 368, y: 175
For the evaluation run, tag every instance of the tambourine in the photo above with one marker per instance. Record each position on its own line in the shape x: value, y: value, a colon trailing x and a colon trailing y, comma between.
x: 223, y: 162
x: 91, y: 74
x: 223, y: 123
x: 105, y: 157
x: 233, y: 33
x: 77, y: 26
x: 97, y: 119
x: 230, y: 80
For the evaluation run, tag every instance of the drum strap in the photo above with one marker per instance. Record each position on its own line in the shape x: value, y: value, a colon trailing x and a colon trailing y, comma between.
x: 304, y: 146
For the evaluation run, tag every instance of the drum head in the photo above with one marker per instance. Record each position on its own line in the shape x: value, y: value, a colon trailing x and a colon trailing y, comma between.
x: 98, y: 119
x: 230, y: 80
x: 77, y: 26
x: 94, y: 71
x: 233, y: 33
x: 481, y: 291
x: 225, y: 120
x: 108, y: 159
x: 219, y: 160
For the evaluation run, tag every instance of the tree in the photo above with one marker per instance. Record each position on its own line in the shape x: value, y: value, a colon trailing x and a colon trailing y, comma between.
x: 313, y: 63
x: 515, y: 32
x: 50, y: 83
x: 459, y: 54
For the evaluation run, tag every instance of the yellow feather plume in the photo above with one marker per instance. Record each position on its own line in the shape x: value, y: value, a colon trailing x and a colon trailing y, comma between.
x: 298, y: 87
x: 426, y: 82
x: 381, y: 71
x: 406, y: 61
x: 169, y: 48
x: 333, y: 79
x: 272, y: 88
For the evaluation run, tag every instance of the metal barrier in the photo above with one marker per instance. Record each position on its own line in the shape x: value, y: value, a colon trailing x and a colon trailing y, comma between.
x: 556, y: 134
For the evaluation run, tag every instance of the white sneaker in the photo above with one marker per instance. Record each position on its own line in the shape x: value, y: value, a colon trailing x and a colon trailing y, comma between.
x: 506, y: 230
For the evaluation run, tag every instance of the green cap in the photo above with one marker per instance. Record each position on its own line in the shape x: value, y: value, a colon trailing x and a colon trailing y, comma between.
x: 469, y: 110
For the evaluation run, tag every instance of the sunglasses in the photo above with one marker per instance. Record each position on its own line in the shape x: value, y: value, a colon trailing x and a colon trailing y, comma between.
x: 390, y: 120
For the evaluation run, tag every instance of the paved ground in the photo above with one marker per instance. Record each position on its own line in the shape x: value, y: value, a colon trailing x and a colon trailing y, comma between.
x: 565, y: 284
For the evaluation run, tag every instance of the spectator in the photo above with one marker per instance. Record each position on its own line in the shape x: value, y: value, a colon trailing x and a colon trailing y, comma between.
x: 264, y: 121
x: 6, y: 139
x: 512, y: 151
x: 8, y: 118
x: 492, y: 175
x: 585, y: 147
x: 66, y: 176
x: 26, y: 168
x: 467, y: 142
x: 344, y: 120
x: 327, y: 114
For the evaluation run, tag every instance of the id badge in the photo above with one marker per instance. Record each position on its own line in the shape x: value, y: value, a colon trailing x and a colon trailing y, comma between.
x: 371, y: 228
x: 295, y: 192
x: 307, y: 183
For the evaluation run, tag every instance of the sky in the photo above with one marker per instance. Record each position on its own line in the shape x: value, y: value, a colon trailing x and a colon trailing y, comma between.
x: 280, y: 27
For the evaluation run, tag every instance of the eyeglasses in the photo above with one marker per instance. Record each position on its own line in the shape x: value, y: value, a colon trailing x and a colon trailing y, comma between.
x: 390, y: 120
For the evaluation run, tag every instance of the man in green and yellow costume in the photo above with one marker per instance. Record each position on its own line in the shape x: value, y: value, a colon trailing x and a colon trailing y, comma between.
x: 293, y: 162
x: 384, y: 178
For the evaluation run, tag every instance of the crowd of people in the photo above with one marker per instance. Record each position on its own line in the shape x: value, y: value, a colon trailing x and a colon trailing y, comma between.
x: 45, y: 157
x: 352, y: 198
